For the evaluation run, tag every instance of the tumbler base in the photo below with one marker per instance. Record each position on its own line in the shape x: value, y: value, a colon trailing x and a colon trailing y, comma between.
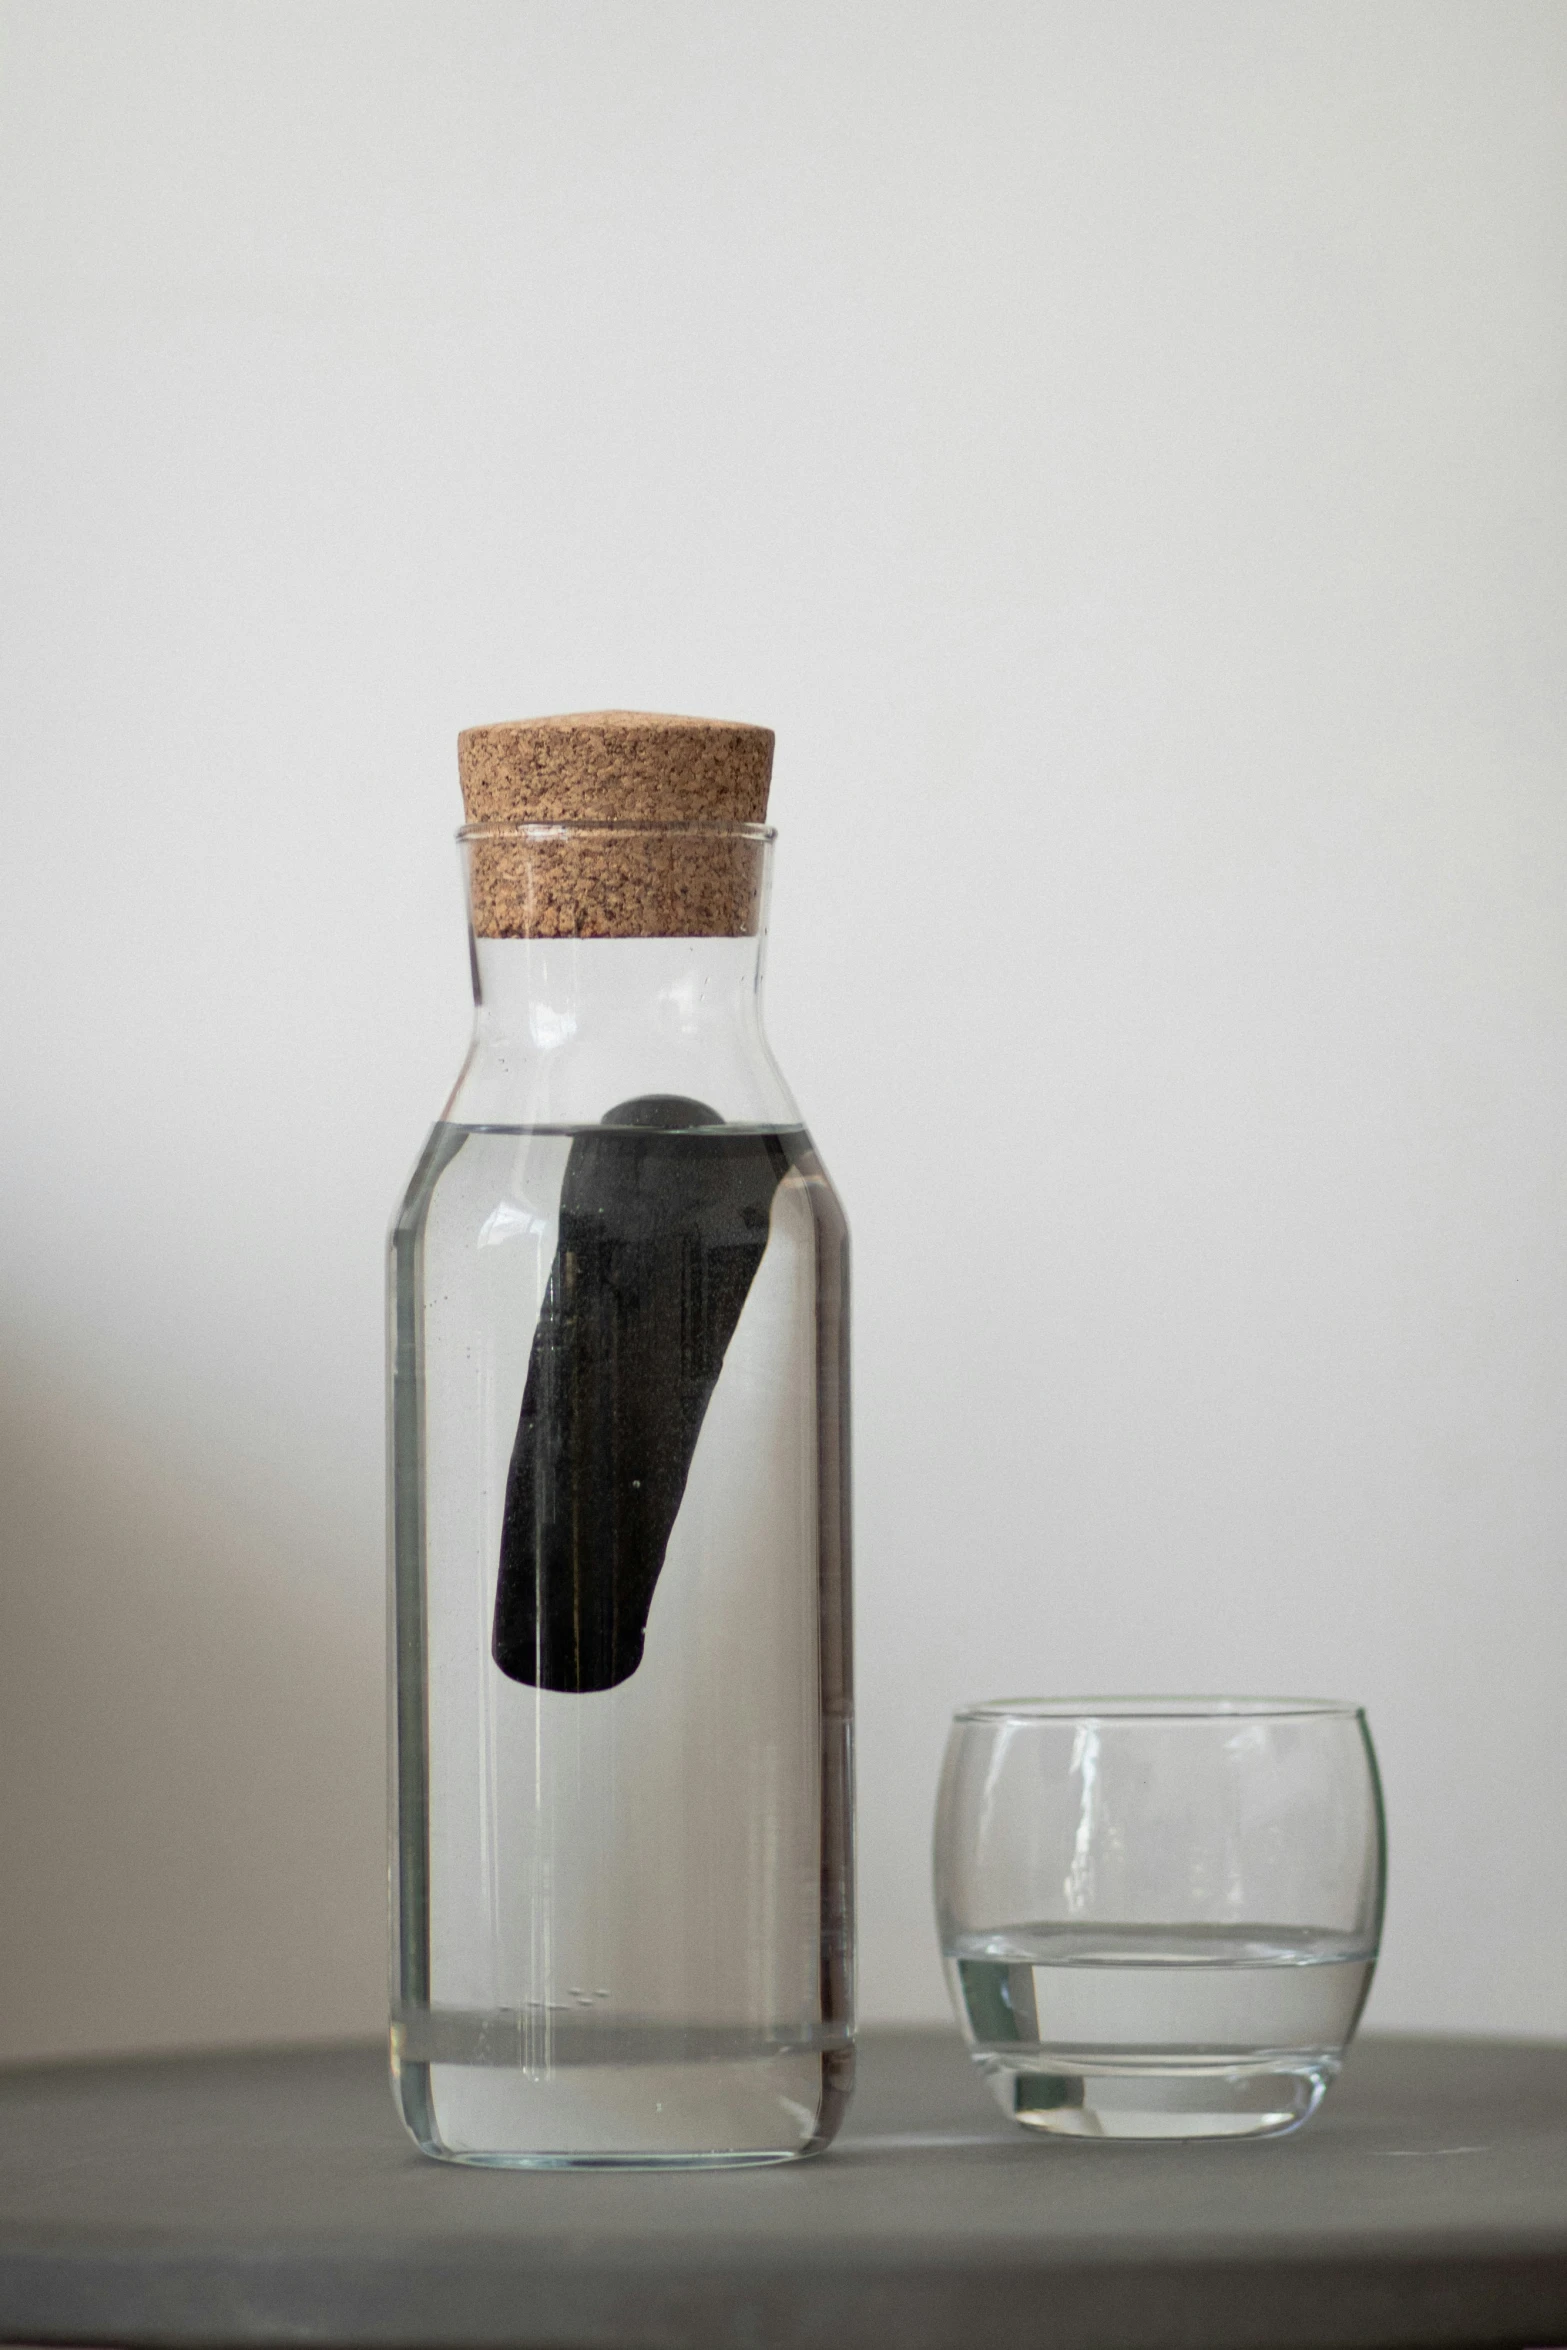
x: 1263, y: 2099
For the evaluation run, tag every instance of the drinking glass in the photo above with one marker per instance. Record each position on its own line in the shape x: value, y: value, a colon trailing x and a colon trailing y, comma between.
x: 1159, y: 1916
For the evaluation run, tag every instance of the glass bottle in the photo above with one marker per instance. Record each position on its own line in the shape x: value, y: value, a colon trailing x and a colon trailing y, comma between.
x: 620, y: 1658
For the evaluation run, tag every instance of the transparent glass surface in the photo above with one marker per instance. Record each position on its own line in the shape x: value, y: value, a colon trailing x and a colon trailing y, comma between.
x: 620, y: 1632
x: 1159, y: 1916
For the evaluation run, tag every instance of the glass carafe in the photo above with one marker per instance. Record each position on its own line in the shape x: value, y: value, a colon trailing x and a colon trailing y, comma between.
x: 620, y: 1628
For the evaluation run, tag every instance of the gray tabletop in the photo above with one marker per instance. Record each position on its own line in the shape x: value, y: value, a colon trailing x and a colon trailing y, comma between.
x: 272, y: 2198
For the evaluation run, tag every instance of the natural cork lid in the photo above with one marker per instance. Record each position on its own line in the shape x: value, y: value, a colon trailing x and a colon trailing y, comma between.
x: 655, y: 811
x: 615, y: 766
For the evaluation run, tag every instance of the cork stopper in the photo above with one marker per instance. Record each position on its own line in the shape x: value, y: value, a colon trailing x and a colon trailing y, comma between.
x: 662, y: 803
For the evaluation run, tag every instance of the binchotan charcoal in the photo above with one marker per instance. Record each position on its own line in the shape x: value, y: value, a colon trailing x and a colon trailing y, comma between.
x: 664, y: 1217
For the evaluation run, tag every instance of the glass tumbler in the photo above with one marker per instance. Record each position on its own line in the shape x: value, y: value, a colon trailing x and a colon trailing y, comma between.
x: 1159, y: 1916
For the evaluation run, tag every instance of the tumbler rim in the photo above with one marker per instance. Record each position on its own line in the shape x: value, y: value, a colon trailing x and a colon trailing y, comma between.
x: 1156, y: 1709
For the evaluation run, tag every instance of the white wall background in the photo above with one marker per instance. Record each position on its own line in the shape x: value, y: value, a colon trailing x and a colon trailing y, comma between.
x: 1122, y: 449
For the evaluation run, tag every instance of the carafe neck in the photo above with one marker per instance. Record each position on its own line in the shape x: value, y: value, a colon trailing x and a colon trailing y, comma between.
x: 567, y: 1028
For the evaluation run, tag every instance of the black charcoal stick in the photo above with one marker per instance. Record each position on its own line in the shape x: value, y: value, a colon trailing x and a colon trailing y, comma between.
x: 662, y: 1228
